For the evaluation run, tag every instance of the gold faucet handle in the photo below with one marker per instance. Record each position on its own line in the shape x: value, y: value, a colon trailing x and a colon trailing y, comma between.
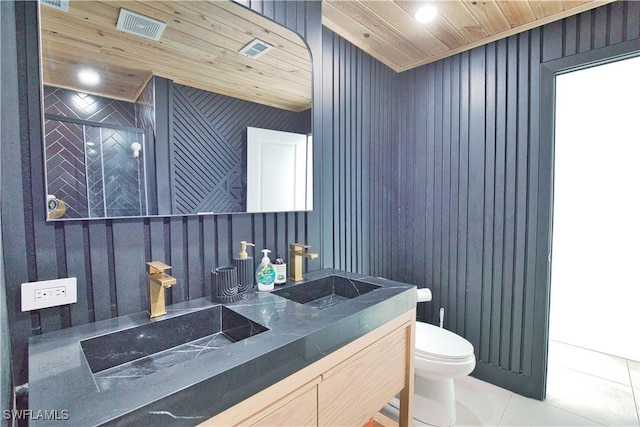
x: 298, y: 246
x: 157, y: 267
x: 297, y: 249
x: 164, y: 280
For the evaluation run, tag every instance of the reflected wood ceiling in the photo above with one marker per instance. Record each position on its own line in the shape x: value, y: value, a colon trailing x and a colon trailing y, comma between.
x: 198, y: 48
x: 386, y: 29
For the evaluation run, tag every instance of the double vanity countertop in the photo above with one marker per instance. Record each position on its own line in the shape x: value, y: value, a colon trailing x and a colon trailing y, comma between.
x: 191, y: 383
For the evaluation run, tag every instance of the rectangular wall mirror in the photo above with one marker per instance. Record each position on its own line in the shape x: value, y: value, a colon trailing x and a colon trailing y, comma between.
x: 159, y: 124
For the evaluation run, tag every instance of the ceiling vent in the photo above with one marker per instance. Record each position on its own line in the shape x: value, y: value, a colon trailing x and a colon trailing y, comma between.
x: 61, y: 5
x: 256, y: 49
x: 140, y: 25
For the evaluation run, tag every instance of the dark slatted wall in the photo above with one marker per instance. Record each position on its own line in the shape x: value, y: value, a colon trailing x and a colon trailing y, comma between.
x: 108, y: 256
x: 360, y: 162
x: 468, y: 209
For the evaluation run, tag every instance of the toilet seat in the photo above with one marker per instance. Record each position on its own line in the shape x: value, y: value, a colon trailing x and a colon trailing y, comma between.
x: 437, y: 343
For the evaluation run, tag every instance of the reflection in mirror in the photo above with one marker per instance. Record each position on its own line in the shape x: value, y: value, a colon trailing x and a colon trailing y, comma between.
x: 282, y: 158
x: 162, y: 128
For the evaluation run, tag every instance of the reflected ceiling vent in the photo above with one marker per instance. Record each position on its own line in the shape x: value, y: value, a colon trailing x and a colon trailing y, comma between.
x: 255, y: 49
x: 140, y: 25
x: 61, y: 5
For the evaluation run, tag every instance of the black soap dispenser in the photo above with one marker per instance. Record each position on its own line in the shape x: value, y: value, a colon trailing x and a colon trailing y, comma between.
x: 244, y: 264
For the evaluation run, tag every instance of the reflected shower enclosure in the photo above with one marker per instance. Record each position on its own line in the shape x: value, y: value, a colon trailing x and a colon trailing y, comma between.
x: 97, y: 170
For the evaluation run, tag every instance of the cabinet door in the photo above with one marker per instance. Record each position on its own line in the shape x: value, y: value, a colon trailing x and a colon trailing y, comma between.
x: 301, y: 411
x: 352, y: 393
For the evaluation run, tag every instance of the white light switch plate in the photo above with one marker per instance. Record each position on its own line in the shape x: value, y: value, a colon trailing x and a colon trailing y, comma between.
x: 49, y: 293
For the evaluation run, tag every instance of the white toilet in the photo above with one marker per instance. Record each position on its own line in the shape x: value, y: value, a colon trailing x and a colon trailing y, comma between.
x: 440, y: 356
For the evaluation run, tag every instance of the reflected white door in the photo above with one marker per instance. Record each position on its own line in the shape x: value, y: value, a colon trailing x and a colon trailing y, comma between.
x: 278, y: 171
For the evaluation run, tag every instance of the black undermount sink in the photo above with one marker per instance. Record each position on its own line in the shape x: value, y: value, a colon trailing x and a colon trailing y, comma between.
x: 132, y: 353
x: 327, y: 291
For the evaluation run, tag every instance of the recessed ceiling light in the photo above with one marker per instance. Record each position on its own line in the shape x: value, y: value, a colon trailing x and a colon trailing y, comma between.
x: 426, y: 13
x: 89, y: 77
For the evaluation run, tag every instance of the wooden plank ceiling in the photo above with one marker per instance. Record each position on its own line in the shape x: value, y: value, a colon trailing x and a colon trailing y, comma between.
x: 200, y: 44
x: 198, y: 48
x: 388, y: 31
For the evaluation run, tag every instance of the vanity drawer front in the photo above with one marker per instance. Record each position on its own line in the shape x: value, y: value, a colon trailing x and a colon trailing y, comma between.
x: 365, y: 382
x: 301, y: 411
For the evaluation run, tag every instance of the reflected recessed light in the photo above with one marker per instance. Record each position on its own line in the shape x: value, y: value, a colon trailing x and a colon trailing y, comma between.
x: 426, y: 13
x: 89, y: 77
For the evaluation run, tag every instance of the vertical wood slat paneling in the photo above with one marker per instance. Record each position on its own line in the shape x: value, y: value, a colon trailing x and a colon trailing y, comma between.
x: 326, y: 156
x: 500, y: 104
x: 489, y: 191
x: 460, y: 284
x: 570, y: 29
x: 601, y: 38
x: 487, y: 207
x: 430, y: 164
x: 632, y: 18
x: 528, y: 338
x: 361, y: 165
x: 449, y: 288
x: 336, y: 137
x: 111, y: 254
x: 100, y: 277
x: 509, y: 213
x: 210, y: 250
x: 518, y: 174
x: 446, y: 135
x: 127, y: 236
x: 350, y: 243
x: 366, y: 243
x: 584, y: 32
x: 195, y: 253
x: 74, y: 248
x: 475, y: 205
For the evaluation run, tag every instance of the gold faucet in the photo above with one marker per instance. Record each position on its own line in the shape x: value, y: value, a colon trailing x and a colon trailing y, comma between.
x: 158, y: 280
x: 296, y: 253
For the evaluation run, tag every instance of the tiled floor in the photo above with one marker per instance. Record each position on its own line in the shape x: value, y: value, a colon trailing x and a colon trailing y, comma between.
x: 585, y: 388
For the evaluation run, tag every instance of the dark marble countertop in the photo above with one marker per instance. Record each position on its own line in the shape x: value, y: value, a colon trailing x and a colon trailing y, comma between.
x: 187, y: 390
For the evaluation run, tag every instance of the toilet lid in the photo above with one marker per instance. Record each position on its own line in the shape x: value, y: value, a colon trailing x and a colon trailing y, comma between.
x: 432, y: 341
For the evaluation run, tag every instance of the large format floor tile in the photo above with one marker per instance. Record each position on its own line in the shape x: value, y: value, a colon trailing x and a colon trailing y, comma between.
x: 604, y: 401
x: 589, y: 362
x: 479, y: 403
x: 523, y: 411
x: 634, y: 373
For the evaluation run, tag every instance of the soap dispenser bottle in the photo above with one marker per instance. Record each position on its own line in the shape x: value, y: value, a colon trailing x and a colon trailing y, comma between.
x: 244, y: 265
x: 281, y: 270
x: 265, y: 274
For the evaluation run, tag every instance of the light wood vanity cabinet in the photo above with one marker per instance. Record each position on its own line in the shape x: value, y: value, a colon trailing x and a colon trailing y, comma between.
x: 300, y: 411
x: 345, y: 388
x: 353, y: 392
